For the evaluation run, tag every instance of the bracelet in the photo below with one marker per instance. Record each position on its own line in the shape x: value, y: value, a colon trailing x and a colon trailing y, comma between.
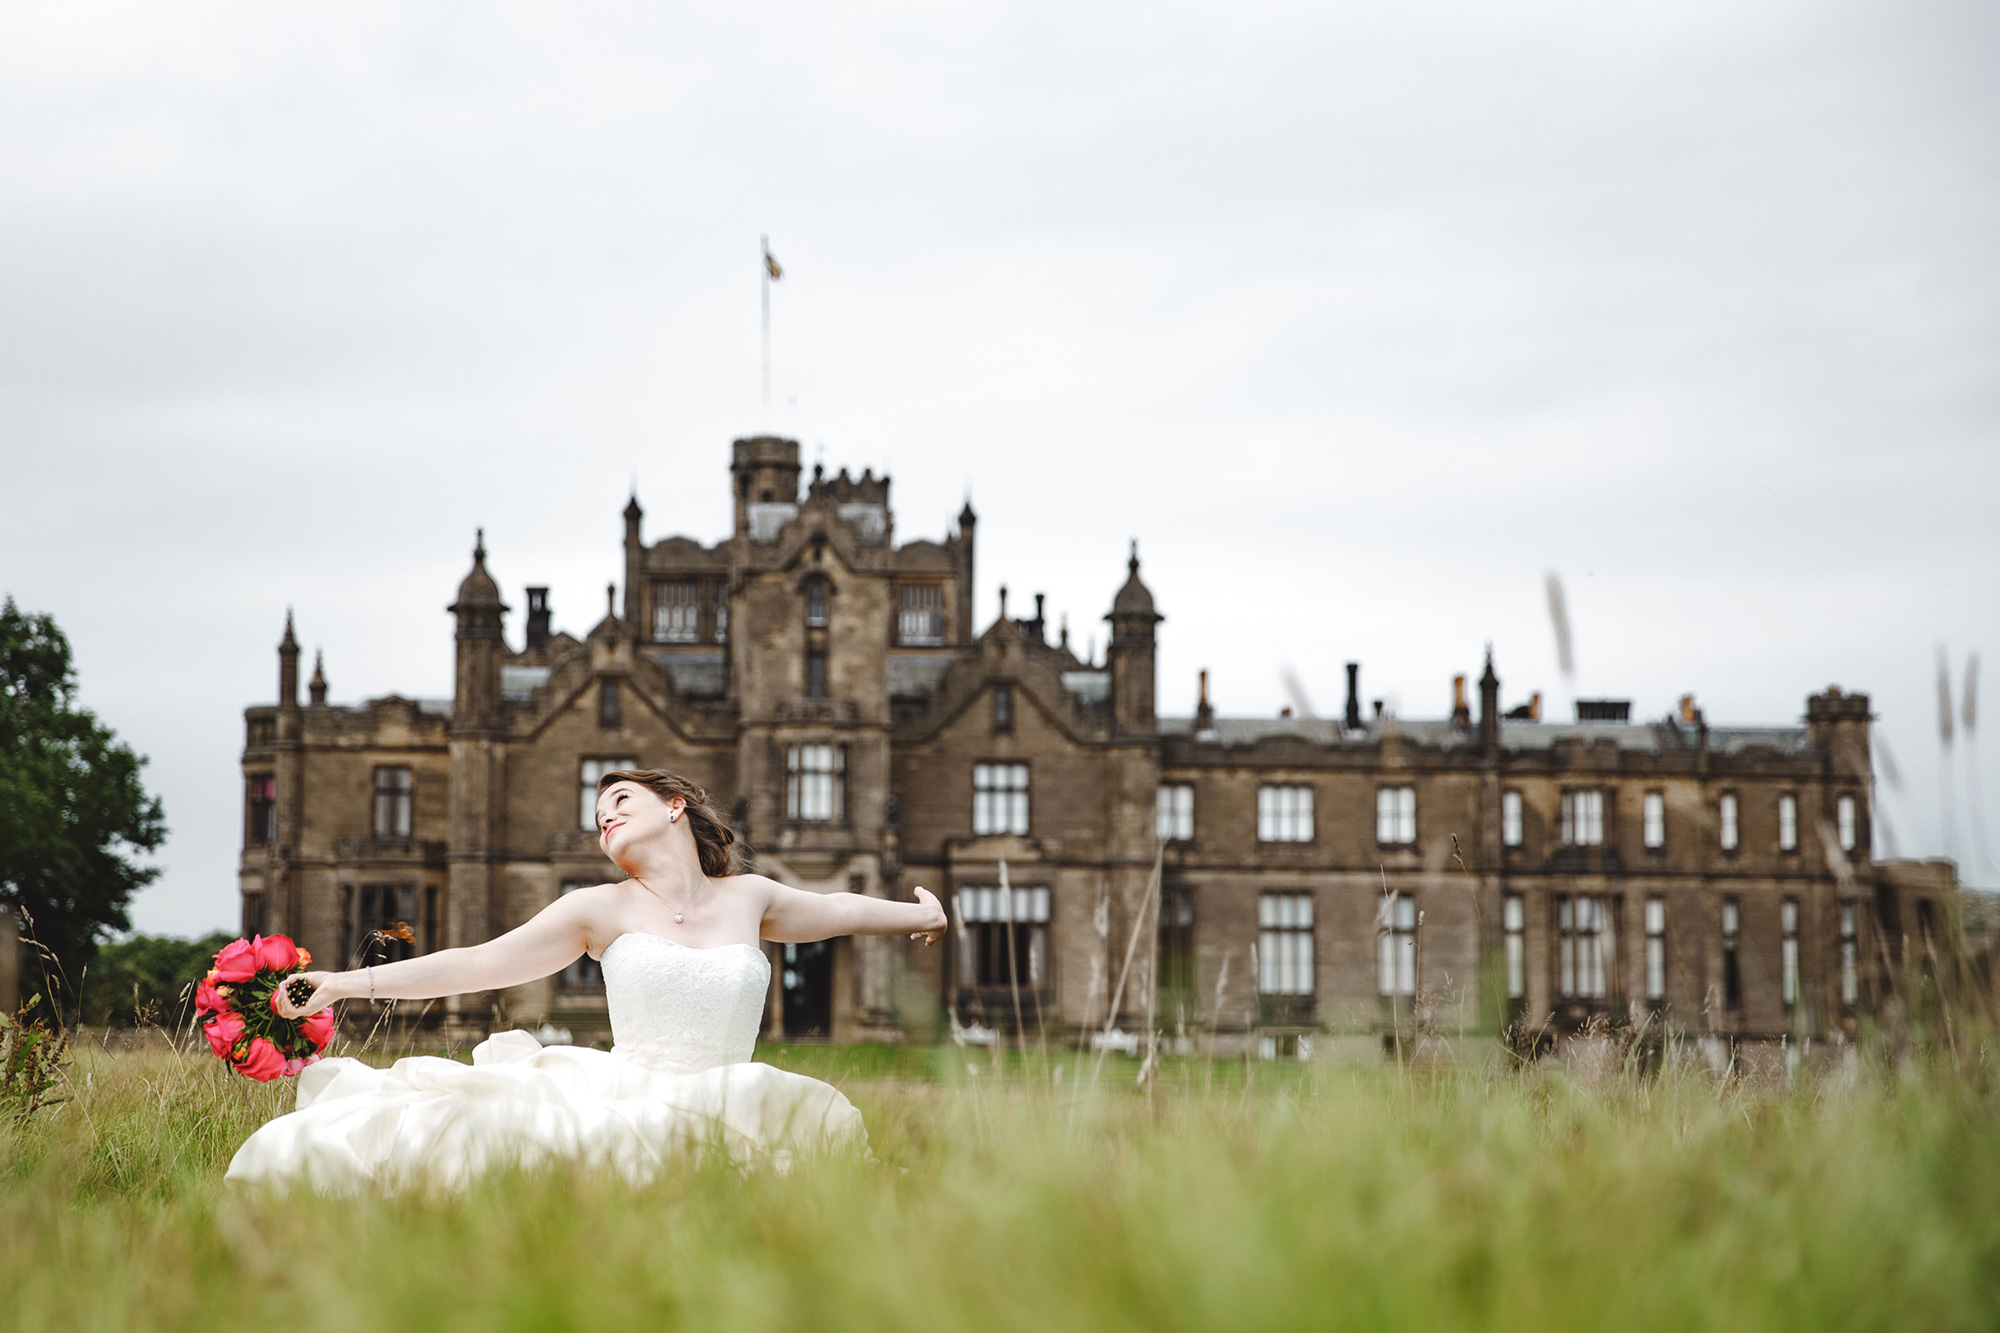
x: 371, y: 983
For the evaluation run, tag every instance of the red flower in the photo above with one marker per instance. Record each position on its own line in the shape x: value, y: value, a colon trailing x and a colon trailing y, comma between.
x: 261, y: 1062
x: 293, y: 1066
x: 209, y: 1000
x: 318, y: 1028
x: 275, y: 953
x: 237, y: 961
x: 224, y: 1033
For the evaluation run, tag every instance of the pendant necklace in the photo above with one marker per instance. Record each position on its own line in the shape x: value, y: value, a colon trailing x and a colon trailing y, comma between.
x: 678, y: 917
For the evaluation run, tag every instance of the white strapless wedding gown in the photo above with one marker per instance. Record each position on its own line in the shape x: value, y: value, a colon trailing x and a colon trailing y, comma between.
x: 678, y: 1080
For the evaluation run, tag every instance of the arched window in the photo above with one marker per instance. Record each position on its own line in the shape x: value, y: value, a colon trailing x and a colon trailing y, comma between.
x: 816, y: 604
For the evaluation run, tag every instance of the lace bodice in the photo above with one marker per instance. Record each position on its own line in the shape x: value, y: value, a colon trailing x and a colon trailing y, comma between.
x: 677, y: 1010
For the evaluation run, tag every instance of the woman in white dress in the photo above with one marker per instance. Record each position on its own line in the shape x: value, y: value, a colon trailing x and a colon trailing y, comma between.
x: 685, y: 981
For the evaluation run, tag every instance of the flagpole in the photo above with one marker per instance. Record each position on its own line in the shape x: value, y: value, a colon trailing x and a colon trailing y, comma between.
x: 764, y: 270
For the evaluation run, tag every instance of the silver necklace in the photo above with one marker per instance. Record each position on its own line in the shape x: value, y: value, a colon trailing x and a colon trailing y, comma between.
x: 678, y: 918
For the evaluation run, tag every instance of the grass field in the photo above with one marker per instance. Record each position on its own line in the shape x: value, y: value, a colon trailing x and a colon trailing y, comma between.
x: 1237, y: 1197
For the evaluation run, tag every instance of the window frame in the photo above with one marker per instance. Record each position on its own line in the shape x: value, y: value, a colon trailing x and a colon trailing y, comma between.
x: 1656, y: 949
x: 610, y: 704
x: 1173, y: 812
x: 1397, y: 920
x: 1287, y: 958
x: 1847, y: 821
x: 1732, y: 959
x: 1653, y: 820
x: 1514, y: 946
x: 1396, y: 816
x: 1003, y: 708
x: 1583, y: 821
x: 1586, y: 954
x: 920, y: 614
x: 1788, y: 952
x: 1729, y: 821
x: 1177, y: 959
x: 1850, y: 953
x: 398, y: 802
x: 984, y: 914
x: 260, y: 812
x: 1788, y: 821
x: 1285, y: 813
x: 676, y: 611
x: 392, y: 904
x: 1512, y: 821
x: 811, y: 789
x: 1002, y: 805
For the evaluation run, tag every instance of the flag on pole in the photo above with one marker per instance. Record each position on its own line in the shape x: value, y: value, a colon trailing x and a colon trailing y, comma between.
x: 771, y: 264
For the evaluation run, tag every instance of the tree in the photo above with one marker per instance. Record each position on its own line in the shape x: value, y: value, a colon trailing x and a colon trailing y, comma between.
x: 72, y: 808
x: 148, y: 979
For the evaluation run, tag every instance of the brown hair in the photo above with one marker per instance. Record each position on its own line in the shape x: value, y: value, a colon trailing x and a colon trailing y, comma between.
x: 714, y: 840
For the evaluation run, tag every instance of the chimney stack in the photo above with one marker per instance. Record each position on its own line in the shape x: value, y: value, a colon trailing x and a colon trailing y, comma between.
x: 1461, y: 710
x: 1353, y: 718
x: 538, y: 617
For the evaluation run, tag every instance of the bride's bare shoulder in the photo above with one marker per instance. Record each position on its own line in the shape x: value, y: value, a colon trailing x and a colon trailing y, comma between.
x: 762, y: 886
x: 591, y: 900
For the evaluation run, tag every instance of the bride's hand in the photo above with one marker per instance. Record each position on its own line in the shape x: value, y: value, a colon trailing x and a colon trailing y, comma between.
x: 322, y: 994
x: 932, y: 935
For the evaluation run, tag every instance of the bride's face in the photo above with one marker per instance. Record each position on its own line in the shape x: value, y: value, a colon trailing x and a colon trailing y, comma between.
x: 629, y: 816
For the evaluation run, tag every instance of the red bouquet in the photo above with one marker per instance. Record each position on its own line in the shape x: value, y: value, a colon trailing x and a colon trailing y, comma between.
x: 236, y: 1005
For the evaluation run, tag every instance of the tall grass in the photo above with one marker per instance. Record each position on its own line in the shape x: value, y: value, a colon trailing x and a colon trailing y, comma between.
x: 1000, y: 1197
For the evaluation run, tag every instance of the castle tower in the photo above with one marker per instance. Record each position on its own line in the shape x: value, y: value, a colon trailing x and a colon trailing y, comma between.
x: 968, y: 522
x: 635, y: 557
x: 1132, y: 654
x: 765, y: 471
x: 476, y: 755
x: 481, y: 645
x: 281, y: 881
x: 288, y: 667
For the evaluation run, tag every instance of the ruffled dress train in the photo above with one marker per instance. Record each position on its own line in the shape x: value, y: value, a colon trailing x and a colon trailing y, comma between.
x: 678, y: 1082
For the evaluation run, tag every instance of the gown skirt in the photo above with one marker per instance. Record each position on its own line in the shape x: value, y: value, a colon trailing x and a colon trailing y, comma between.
x: 430, y: 1122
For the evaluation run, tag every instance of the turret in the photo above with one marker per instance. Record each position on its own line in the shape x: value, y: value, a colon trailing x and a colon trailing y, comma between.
x: 1132, y: 654
x: 481, y: 645
x: 317, y: 685
x: 1837, y: 727
x: 968, y: 522
x: 765, y: 470
x: 635, y: 556
x: 288, y: 666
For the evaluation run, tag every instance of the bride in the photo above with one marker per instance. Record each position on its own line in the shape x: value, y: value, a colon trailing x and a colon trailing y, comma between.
x: 685, y: 981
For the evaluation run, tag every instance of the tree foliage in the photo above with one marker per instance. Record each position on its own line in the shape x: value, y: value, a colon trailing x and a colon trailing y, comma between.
x: 73, y: 811
x: 148, y: 979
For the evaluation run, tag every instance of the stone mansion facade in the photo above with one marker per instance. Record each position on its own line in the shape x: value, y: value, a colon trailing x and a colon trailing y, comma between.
x: 834, y: 692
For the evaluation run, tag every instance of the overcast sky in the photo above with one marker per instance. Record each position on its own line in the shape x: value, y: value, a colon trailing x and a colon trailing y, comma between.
x: 1360, y: 318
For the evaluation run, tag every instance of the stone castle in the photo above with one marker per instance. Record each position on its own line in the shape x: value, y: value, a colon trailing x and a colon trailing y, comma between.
x: 834, y: 692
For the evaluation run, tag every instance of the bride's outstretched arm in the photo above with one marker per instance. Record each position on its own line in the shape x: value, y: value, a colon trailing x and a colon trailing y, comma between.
x: 546, y: 943
x: 793, y: 916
